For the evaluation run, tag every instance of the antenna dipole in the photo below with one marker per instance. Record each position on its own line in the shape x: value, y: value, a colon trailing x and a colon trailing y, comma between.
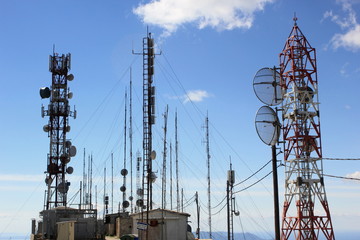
x: 163, y: 204
x: 177, y: 165
x: 306, y: 213
x: 208, y: 173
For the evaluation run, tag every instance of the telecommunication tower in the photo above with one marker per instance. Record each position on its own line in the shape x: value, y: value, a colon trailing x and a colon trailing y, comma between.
x: 306, y: 213
x: 61, y: 149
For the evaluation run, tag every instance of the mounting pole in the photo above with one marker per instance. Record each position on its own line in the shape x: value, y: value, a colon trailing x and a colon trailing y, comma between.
x: 198, y: 215
x: 276, y: 193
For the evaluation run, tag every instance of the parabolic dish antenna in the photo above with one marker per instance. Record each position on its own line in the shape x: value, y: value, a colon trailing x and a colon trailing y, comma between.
x: 267, y: 86
x: 267, y: 125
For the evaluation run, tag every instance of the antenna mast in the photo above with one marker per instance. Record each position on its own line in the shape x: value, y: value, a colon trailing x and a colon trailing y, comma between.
x: 124, y: 171
x: 59, y: 112
x: 304, y: 182
x: 112, y: 183
x: 84, y: 180
x: 177, y: 165
x: 164, y: 160
x: 171, y: 183
x: 131, y: 198
x: 208, y: 167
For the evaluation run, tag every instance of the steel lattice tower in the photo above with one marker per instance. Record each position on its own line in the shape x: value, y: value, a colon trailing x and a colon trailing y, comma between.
x: 306, y: 213
x: 61, y: 149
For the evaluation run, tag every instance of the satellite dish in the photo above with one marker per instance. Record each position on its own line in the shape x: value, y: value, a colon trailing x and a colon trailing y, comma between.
x: 267, y: 125
x: 125, y: 204
x: 48, y: 180
x: 153, y: 155
x: 70, y: 170
x: 122, y: 188
x: 68, y: 128
x: 70, y: 77
x: 45, y: 92
x: 306, y: 94
x: 63, y: 187
x: 70, y: 95
x: 68, y: 144
x: 131, y: 198
x: 152, y: 177
x: 139, y: 202
x: 72, y: 151
x: 267, y: 86
x: 237, y: 213
x: 140, y: 192
x: 46, y: 128
x: 124, y: 172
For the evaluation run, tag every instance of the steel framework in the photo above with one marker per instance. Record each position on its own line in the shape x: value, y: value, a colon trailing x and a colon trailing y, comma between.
x: 304, y: 183
x: 61, y: 149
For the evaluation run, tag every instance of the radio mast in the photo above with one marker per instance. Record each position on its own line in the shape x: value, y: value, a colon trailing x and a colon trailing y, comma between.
x: 306, y: 213
x: 61, y: 149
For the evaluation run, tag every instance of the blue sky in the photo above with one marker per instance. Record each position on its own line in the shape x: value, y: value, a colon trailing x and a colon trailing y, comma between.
x: 210, y: 51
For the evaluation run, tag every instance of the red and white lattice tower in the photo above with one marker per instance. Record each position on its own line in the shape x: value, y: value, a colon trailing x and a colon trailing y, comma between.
x: 306, y: 213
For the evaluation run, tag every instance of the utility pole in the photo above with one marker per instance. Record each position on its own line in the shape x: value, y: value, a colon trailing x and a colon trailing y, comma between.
x: 198, y: 215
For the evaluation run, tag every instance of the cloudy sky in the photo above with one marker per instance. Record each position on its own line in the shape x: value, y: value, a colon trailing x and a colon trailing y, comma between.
x: 210, y: 51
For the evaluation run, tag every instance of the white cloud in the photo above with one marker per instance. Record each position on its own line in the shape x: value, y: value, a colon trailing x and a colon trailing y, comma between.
x: 21, y: 178
x: 195, y: 96
x: 350, y: 39
x: 221, y: 15
x: 354, y: 175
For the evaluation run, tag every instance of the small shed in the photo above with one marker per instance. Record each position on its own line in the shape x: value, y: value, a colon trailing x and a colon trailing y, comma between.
x: 162, y: 224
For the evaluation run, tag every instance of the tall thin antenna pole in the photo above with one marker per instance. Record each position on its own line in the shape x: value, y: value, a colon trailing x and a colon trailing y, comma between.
x: 104, y: 192
x: 164, y: 160
x: 177, y: 165
x: 182, y: 200
x: 84, y: 180
x: 91, y: 169
x: 208, y: 167
x: 112, y: 183
x: 125, y: 171
x: 171, y: 183
x: 131, y: 142
x: 88, y: 181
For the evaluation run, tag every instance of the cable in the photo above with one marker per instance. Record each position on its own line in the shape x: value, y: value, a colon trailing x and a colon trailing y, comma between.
x: 219, y: 203
x: 213, y: 214
x: 253, y: 174
x: 342, y: 159
x: 348, y: 178
x: 253, y: 183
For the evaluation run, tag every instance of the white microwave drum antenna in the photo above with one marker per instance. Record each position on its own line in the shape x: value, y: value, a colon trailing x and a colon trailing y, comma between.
x: 267, y: 125
x: 267, y: 86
